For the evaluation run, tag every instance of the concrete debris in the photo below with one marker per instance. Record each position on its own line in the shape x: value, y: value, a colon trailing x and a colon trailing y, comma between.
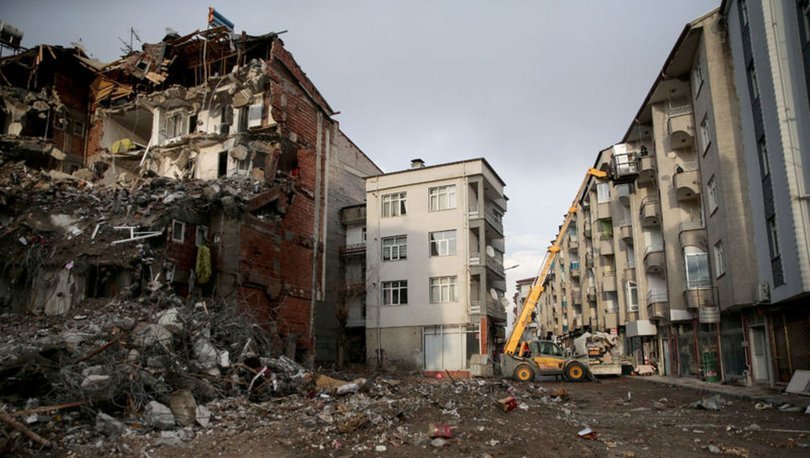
x: 159, y: 416
x: 184, y: 407
x: 714, y: 402
x: 202, y: 416
x: 109, y: 426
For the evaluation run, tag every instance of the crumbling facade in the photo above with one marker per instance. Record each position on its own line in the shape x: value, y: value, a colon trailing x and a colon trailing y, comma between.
x: 235, y: 113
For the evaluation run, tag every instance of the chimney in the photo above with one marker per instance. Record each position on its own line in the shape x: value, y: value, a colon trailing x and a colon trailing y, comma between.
x: 417, y: 163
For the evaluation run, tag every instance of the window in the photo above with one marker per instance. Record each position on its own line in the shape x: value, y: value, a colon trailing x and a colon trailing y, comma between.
x: 631, y: 290
x: 442, y: 198
x: 753, y: 82
x: 773, y: 237
x: 78, y: 128
x: 395, y: 248
x: 243, y: 119
x: 393, y: 204
x: 697, y: 76
x: 364, y: 236
x: 605, y: 229
x: 174, y: 125
x: 255, y: 114
x: 443, y: 243
x: 697, y: 271
x: 711, y: 194
x: 602, y: 192
x: 442, y: 289
x: 201, y: 237
x: 744, y: 12
x: 178, y: 231
x: 705, y: 133
x: 764, y: 164
x: 395, y: 292
x: 719, y: 262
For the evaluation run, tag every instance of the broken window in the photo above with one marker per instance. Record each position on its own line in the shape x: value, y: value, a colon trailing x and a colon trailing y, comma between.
x: 243, y: 119
x: 222, y: 168
x: 178, y: 231
x: 255, y: 114
x: 201, y: 237
x: 175, y: 125
x: 225, y: 120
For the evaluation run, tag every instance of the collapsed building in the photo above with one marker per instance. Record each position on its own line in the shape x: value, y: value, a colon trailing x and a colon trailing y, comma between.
x: 208, y: 162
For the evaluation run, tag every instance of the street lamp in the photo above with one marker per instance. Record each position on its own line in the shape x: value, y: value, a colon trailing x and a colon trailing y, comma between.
x: 510, y: 267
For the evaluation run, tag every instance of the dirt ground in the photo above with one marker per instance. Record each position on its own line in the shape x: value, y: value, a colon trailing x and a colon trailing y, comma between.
x: 630, y: 418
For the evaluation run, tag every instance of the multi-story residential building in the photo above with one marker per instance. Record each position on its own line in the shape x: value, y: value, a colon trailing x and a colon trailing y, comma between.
x: 522, y: 288
x: 770, y: 45
x: 435, y: 275
x: 654, y: 236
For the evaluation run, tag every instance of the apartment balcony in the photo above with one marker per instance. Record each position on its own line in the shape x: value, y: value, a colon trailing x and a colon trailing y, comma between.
x: 650, y: 212
x: 624, y: 167
x: 576, y: 295
x: 630, y: 274
x: 654, y: 259
x: 700, y: 295
x: 350, y: 216
x: 589, y: 260
x: 606, y: 245
x: 646, y: 172
x: 475, y: 307
x: 626, y: 231
x: 657, y: 305
x: 693, y: 234
x: 492, y: 217
x: 609, y: 281
x: 681, y: 128
x: 587, y: 229
x: 591, y: 294
x: 573, y: 244
x: 686, y: 181
x: 354, y: 249
x: 495, y: 264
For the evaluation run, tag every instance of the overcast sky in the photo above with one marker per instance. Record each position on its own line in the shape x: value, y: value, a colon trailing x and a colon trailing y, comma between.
x: 537, y: 88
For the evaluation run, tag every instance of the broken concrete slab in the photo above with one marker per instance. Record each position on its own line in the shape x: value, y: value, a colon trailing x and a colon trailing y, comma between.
x: 184, y: 407
x: 159, y: 416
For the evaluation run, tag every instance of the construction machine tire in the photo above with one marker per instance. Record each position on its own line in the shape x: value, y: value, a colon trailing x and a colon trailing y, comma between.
x: 524, y: 373
x: 575, y: 372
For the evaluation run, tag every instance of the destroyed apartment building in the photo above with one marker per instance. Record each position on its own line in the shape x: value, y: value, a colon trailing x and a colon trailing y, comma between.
x: 208, y: 163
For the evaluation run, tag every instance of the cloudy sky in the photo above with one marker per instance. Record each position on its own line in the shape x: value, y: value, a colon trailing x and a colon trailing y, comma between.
x: 537, y: 88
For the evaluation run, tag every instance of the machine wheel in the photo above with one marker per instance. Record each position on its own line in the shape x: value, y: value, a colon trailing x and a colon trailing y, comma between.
x: 524, y: 373
x: 575, y: 372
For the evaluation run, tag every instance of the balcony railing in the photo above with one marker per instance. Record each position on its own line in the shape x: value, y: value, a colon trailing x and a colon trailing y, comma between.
x: 355, y: 249
x: 686, y: 181
x: 657, y: 295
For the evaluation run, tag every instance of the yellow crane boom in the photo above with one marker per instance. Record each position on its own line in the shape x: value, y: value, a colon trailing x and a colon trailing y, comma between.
x: 537, y: 287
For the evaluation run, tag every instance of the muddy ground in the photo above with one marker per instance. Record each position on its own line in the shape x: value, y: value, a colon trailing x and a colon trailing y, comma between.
x: 630, y: 417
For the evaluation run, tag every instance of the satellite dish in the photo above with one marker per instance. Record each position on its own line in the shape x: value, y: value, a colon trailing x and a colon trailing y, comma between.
x: 493, y: 293
x: 504, y: 302
x: 490, y: 251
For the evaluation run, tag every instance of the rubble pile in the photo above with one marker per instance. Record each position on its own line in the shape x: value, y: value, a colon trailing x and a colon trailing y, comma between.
x: 138, y: 364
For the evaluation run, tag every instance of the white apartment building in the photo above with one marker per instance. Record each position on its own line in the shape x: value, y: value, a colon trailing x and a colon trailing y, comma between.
x: 435, y: 280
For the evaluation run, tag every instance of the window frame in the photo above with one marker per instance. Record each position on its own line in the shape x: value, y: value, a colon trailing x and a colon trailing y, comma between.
x: 201, y: 229
x: 436, y: 194
x: 602, y: 193
x: 764, y: 161
x: 394, y: 204
x: 394, y: 286
x: 719, y: 259
x: 631, y: 291
x: 450, y: 243
x: 182, y: 225
x: 443, y: 284
x: 399, y: 243
x: 773, y: 237
x: 697, y: 75
x: 705, y: 133
x: 711, y: 195
x: 753, y: 80
x: 700, y: 282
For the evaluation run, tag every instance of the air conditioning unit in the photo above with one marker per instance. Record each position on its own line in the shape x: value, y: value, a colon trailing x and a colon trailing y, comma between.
x: 763, y: 292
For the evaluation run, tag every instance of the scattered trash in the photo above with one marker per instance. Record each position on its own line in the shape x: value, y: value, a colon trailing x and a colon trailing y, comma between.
x: 442, y: 430
x: 508, y: 403
x: 762, y: 405
x: 714, y: 402
x: 438, y: 442
x: 588, y: 434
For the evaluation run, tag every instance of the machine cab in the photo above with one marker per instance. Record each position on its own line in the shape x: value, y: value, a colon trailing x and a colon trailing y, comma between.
x: 548, y: 356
